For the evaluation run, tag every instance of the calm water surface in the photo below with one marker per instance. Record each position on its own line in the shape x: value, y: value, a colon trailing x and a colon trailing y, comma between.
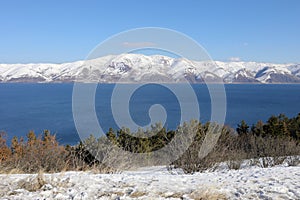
x: 25, y: 107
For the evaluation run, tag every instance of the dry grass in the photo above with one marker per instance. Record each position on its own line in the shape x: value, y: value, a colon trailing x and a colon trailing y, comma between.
x: 176, y: 195
x: 138, y: 194
x: 208, y: 194
x: 32, y: 183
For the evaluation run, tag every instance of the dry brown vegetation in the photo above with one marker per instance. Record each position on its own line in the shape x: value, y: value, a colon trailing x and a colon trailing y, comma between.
x: 208, y: 194
x: 265, y: 145
x: 205, y: 146
x: 42, y: 153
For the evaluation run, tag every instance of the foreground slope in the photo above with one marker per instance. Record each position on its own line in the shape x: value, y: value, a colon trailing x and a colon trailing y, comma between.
x: 158, y: 183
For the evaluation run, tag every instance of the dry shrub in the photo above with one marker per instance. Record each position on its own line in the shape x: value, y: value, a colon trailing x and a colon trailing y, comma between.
x: 222, y: 150
x: 43, y: 153
x: 83, y: 157
x: 270, y: 151
x: 234, y: 164
x: 5, y: 152
x: 37, y: 153
x: 200, y: 146
x: 233, y: 149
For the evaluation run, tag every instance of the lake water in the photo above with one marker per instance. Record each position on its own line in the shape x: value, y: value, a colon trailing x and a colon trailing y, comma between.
x: 25, y: 107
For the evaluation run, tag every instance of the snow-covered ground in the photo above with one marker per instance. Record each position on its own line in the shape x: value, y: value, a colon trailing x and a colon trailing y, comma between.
x: 158, y: 183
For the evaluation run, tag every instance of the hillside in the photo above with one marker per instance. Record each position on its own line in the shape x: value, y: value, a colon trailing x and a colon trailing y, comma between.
x: 136, y: 68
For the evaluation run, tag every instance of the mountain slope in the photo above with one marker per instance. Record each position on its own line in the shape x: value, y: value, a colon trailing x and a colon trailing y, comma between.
x: 157, y: 68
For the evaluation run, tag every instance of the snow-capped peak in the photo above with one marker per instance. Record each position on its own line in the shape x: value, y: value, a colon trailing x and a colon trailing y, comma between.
x: 154, y: 68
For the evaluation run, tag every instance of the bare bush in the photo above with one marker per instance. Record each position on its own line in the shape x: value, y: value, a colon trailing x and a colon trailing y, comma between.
x: 233, y: 149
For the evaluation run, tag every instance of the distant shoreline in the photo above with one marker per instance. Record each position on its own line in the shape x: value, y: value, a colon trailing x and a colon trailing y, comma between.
x: 137, y: 83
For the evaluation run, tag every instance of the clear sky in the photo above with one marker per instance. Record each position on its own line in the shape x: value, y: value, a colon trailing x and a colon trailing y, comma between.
x: 60, y: 30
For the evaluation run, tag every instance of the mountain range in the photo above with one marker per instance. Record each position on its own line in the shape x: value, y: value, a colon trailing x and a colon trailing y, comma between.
x: 134, y: 68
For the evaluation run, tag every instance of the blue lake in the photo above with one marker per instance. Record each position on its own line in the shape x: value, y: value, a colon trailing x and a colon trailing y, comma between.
x: 25, y: 107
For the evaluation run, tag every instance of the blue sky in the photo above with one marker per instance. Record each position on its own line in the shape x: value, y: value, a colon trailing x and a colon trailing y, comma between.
x: 60, y: 31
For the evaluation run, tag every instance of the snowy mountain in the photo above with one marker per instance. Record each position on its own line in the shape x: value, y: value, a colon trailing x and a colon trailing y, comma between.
x: 156, y: 68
